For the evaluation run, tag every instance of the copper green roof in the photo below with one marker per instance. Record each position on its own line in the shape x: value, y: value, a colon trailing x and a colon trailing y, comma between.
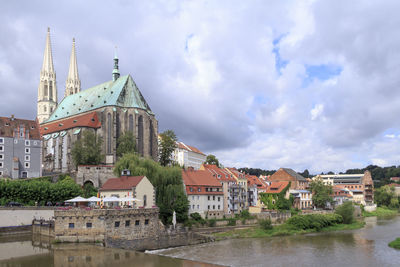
x: 122, y: 93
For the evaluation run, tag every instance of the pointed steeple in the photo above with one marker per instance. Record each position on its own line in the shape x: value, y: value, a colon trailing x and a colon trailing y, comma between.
x: 73, y: 84
x: 115, y: 72
x: 47, y: 91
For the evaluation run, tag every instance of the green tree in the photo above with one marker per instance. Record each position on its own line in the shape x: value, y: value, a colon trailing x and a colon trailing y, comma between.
x: 386, y: 196
x: 87, y: 150
x: 170, y: 194
x: 346, y: 210
x: 89, y: 190
x: 321, y: 193
x: 126, y: 143
x: 212, y: 160
x: 167, y: 146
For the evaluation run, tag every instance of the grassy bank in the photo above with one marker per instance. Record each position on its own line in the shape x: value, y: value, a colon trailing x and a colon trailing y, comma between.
x: 380, y: 212
x: 281, y: 230
x: 395, y: 243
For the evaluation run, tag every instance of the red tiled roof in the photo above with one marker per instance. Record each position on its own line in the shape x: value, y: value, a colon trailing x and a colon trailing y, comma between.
x: 236, y: 173
x: 191, y: 177
x: 393, y: 184
x: 220, y: 174
x: 254, y: 180
x: 7, y: 126
x: 277, y: 187
x: 184, y: 146
x: 90, y: 120
x: 122, y: 183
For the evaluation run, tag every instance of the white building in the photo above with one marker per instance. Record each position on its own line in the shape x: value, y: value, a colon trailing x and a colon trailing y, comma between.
x: 188, y: 156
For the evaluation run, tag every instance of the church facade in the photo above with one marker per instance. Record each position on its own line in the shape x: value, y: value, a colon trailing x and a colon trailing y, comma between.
x: 109, y: 110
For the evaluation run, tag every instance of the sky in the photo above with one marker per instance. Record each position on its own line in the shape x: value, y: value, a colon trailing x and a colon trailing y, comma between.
x: 264, y: 84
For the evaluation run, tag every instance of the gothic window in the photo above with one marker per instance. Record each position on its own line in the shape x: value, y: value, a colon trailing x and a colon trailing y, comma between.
x: 131, y: 123
x: 151, y: 138
x: 140, y: 136
x: 109, y: 133
x: 45, y: 89
x: 126, y: 122
x: 118, y: 126
x: 144, y: 201
x: 51, y: 109
x: 51, y: 90
x: 45, y: 109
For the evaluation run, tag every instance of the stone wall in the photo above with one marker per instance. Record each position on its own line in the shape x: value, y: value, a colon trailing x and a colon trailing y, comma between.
x: 80, y: 225
x: 274, y: 216
x: 96, y: 174
x: 43, y: 227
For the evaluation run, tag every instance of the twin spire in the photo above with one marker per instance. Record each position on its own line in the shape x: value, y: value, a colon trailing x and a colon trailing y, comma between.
x: 73, y: 84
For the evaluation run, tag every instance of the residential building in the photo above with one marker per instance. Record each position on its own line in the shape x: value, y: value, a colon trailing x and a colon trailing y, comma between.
x: 229, y: 186
x: 20, y: 148
x: 302, y: 199
x: 239, y: 190
x: 254, y: 187
x: 127, y: 186
x: 361, y: 185
x: 109, y: 110
x: 204, y: 193
x: 297, y: 181
x: 341, y: 195
x: 188, y: 156
x: 272, y: 192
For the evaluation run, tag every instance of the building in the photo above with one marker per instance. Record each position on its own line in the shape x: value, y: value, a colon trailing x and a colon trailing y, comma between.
x: 302, y: 199
x: 254, y: 187
x: 229, y: 187
x: 240, y: 189
x: 109, y: 110
x: 127, y: 186
x: 273, y: 191
x: 361, y: 185
x: 188, y: 156
x: 297, y: 181
x: 204, y: 193
x: 20, y: 148
x: 341, y: 195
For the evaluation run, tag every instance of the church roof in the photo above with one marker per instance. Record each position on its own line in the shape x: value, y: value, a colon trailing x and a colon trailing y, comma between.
x: 122, y: 93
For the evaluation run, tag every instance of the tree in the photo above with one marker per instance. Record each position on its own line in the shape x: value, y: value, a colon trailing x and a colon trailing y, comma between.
x: 167, y: 146
x: 126, y: 143
x: 386, y: 196
x: 212, y: 160
x: 322, y: 194
x: 170, y: 194
x: 346, y: 210
x: 88, y: 150
x: 89, y: 190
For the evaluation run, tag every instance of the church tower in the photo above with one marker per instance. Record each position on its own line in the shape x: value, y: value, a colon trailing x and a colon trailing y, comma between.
x: 47, y: 91
x: 73, y: 84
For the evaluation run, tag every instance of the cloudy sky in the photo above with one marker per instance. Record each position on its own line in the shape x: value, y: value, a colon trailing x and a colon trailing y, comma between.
x: 268, y: 84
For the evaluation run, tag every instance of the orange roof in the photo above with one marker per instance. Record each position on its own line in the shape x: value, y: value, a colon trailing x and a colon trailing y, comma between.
x: 276, y: 187
x: 236, y: 173
x: 90, y: 120
x: 184, y: 146
x: 8, y: 125
x: 254, y: 180
x: 121, y: 183
x: 220, y: 174
x: 191, y: 177
x: 393, y: 184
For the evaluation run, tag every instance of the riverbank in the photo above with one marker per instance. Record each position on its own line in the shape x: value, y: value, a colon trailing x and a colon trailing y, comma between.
x: 380, y: 212
x: 282, y: 230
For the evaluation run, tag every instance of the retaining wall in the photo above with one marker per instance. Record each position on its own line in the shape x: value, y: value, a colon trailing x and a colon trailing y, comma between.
x: 23, y: 216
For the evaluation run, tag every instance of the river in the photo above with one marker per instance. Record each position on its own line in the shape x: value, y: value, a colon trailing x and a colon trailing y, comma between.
x: 363, y: 247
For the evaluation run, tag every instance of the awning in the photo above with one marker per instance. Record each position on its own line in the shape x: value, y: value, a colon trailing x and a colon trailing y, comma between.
x: 94, y: 199
x: 111, y: 199
x: 77, y: 199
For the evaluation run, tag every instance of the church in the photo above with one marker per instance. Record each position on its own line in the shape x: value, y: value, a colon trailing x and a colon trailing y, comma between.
x: 109, y: 110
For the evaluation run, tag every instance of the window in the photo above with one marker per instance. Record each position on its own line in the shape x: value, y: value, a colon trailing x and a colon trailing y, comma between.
x: 71, y: 225
x: 1, y: 173
x: 127, y: 223
x: 27, y: 165
x: 208, y: 197
x: 219, y: 198
x: 1, y: 164
x: 137, y: 222
x: 219, y: 207
x: 208, y: 207
x: 24, y: 174
x: 116, y: 224
x: 199, y: 189
x: 35, y: 143
x: 213, y: 207
x: 144, y: 201
x: 140, y: 136
x: 192, y: 206
x: 89, y: 225
x: 27, y: 150
x: 198, y: 197
x: 1, y: 156
x: 198, y: 206
x: 213, y: 197
x: 191, y: 189
x: 192, y: 197
x: 1, y: 148
x: 27, y: 143
x: 27, y: 157
x: 109, y: 133
x: 1, y: 140
x: 146, y: 221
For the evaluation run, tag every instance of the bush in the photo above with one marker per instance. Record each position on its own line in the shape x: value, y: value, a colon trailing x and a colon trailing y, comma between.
x: 314, y: 221
x: 212, y: 222
x: 231, y: 222
x: 265, y: 224
x: 196, y: 216
x: 245, y: 214
x: 346, y: 210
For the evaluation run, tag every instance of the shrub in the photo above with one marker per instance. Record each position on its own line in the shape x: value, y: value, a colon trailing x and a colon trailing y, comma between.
x: 314, y: 221
x: 231, y: 222
x: 196, y: 216
x: 245, y: 214
x: 265, y: 224
x: 212, y: 222
x: 346, y: 210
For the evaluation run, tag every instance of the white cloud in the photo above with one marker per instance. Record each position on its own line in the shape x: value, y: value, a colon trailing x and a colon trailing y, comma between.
x: 317, y: 111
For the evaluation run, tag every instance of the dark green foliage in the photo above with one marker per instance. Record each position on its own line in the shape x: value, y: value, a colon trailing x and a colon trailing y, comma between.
x: 126, y: 143
x: 381, y: 174
x: 212, y: 160
x: 321, y: 193
x: 346, y: 210
x: 89, y: 190
x: 27, y: 192
x: 256, y: 171
x: 231, y: 222
x: 386, y: 196
x: 196, y: 216
x: 87, y: 150
x: 314, y: 221
x: 170, y: 195
x: 277, y: 201
x: 265, y: 224
x: 212, y: 222
x: 245, y: 214
x: 167, y: 146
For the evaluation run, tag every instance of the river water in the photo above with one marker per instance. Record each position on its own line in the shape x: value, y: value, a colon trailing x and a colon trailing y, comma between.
x: 363, y: 247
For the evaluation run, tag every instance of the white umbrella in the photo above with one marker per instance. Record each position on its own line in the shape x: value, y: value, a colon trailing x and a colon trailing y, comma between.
x: 111, y: 199
x: 128, y: 199
x: 77, y: 199
x: 94, y: 199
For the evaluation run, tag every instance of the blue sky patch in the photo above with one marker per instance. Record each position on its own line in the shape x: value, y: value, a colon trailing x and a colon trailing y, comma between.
x: 279, y: 62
